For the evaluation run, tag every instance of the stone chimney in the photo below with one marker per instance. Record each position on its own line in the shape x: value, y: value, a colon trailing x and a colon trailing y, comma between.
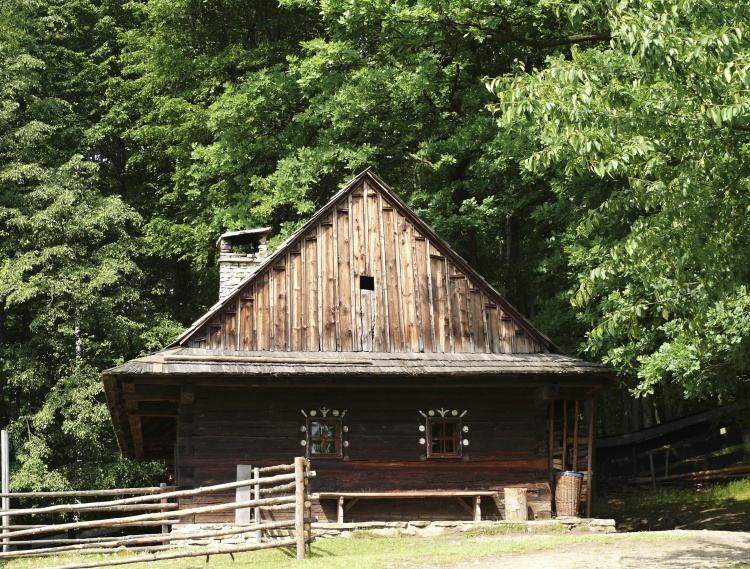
x: 242, y: 252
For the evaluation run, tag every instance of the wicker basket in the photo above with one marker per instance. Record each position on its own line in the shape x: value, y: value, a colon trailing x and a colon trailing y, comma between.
x: 567, y: 492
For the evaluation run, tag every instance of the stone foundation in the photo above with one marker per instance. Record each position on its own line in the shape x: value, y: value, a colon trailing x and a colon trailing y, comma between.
x: 394, y: 529
x: 431, y: 529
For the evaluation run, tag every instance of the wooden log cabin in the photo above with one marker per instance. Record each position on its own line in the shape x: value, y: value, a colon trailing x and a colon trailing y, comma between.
x: 365, y: 343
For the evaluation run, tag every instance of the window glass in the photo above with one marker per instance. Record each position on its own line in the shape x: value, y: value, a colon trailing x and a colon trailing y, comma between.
x: 324, y: 437
x: 443, y: 437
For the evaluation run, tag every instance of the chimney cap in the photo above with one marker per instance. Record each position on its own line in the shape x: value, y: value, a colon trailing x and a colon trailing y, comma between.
x: 244, y: 237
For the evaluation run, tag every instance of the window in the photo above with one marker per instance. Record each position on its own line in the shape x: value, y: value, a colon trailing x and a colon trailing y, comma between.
x: 443, y: 437
x: 366, y: 283
x: 324, y: 437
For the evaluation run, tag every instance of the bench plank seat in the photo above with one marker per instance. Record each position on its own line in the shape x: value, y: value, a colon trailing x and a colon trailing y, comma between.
x: 458, y: 495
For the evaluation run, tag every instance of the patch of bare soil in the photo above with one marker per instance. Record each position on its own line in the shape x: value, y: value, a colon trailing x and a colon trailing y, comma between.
x: 675, y: 549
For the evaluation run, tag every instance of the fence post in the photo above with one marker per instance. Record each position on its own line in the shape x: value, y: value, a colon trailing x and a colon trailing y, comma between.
x: 5, y: 467
x: 164, y: 527
x: 308, y: 510
x: 258, y: 533
x: 299, y: 506
x: 243, y: 494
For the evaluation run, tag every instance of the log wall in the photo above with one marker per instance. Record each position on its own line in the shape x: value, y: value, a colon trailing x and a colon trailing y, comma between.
x: 365, y: 278
x: 224, y: 426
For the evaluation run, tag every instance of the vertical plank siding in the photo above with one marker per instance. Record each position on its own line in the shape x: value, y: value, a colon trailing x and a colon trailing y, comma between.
x: 294, y: 300
x: 263, y: 312
x: 310, y: 296
x: 345, y: 280
x: 246, y: 324
x: 280, y: 323
x: 375, y: 261
x: 328, y: 290
x: 312, y: 299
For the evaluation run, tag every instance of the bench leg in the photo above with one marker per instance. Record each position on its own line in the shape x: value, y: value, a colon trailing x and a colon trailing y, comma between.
x: 341, y: 509
x: 477, y: 509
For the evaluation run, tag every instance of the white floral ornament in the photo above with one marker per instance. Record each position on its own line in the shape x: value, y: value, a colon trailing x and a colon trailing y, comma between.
x: 443, y: 412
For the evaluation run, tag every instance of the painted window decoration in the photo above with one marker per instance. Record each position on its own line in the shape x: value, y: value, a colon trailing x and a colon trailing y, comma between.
x: 324, y: 433
x: 443, y: 434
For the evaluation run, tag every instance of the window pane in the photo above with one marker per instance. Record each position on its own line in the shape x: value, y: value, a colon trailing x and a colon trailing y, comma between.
x: 443, y: 437
x: 323, y: 437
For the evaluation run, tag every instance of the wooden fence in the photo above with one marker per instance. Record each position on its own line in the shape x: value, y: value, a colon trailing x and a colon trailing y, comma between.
x: 710, y: 446
x: 286, y: 487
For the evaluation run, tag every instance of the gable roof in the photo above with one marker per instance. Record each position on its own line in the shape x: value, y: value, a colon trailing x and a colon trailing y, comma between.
x: 424, y: 298
x: 365, y: 294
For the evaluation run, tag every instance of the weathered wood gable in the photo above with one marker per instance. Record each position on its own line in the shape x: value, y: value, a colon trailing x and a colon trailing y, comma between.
x: 365, y: 275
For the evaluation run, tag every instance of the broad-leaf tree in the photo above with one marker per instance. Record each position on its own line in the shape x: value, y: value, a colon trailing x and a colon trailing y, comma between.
x: 646, y: 137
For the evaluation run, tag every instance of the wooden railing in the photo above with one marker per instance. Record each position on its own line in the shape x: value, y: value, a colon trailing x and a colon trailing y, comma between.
x: 288, y: 488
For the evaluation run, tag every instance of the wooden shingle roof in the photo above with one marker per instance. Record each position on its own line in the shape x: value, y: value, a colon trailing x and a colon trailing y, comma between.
x: 186, y: 362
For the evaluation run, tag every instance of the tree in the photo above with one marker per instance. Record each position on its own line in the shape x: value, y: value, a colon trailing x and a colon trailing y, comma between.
x: 178, y: 58
x: 396, y: 86
x: 646, y: 137
x: 69, y: 302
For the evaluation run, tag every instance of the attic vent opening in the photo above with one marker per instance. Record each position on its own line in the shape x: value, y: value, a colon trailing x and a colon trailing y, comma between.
x: 366, y: 283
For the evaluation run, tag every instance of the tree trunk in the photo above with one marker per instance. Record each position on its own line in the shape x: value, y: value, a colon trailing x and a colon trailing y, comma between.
x: 647, y: 409
x: 624, y: 415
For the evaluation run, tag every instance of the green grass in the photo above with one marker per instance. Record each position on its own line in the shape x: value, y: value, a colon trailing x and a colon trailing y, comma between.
x: 516, y: 528
x: 368, y: 550
x: 718, y: 506
x: 362, y: 551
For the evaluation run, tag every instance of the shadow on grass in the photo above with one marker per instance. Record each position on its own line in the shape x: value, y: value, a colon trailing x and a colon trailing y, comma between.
x: 718, y: 507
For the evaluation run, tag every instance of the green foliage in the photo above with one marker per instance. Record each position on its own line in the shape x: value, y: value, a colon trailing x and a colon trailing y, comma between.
x: 395, y: 86
x: 133, y: 134
x: 647, y: 139
x: 69, y: 302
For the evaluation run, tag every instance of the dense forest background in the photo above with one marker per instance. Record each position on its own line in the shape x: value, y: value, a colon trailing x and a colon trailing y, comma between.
x: 590, y: 159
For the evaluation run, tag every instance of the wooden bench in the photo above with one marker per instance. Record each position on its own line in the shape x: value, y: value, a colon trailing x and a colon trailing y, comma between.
x: 346, y: 500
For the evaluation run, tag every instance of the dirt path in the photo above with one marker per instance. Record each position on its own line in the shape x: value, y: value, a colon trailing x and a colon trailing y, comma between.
x: 675, y: 549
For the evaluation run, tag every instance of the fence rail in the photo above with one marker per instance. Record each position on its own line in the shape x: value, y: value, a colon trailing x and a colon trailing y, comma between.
x: 286, y: 491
